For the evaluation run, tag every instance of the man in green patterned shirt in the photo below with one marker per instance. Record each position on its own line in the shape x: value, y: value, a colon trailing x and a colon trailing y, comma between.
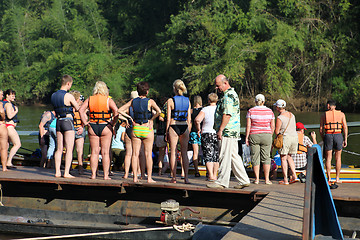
x: 227, y: 126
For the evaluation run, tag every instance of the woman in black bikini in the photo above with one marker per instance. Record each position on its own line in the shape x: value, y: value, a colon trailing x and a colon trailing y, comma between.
x: 11, y: 121
x: 178, y: 120
x: 101, y: 122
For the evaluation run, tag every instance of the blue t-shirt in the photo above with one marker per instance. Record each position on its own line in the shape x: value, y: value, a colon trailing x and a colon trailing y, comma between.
x: 116, y: 142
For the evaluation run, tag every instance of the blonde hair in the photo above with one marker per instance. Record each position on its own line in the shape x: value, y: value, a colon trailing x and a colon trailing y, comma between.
x: 134, y: 94
x: 197, y: 100
x: 76, y: 94
x: 101, y: 88
x: 179, y: 87
x: 213, y: 97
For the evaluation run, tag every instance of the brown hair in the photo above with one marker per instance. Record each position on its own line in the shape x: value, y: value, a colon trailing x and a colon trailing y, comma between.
x: 142, y: 88
x: 66, y: 79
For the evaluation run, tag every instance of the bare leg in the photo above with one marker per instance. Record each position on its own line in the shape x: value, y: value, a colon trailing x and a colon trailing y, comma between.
x: 15, y: 139
x: 128, y: 154
x: 136, y: 146
x: 266, y: 168
x: 161, y: 159
x: 69, y: 139
x: 184, y: 139
x: 338, y: 164
x: 216, y: 168
x: 292, y: 167
x: 58, y: 153
x: 79, y: 144
x: 44, y: 150
x: 210, y: 170
x: 4, y: 146
x: 196, y: 157
x: 284, y: 167
x: 148, y: 144
x: 328, y: 156
x: 257, y: 173
x: 105, y: 141
x: 95, y: 150
x: 173, y: 137
x: 142, y: 161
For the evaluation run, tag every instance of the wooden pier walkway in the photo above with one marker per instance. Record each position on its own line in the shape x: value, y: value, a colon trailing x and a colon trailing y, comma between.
x: 278, y: 216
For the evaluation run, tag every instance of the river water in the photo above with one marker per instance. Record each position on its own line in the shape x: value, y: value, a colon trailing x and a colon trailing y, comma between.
x: 30, y: 115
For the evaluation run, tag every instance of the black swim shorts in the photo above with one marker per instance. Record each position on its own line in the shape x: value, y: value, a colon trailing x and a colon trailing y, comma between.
x: 333, y: 141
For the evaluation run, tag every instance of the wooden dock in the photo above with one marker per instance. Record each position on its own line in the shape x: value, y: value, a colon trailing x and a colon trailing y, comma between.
x: 279, y: 215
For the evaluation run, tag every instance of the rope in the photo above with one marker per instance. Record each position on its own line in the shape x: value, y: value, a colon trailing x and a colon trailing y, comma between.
x: 350, y: 152
x: 180, y: 228
x: 184, y: 227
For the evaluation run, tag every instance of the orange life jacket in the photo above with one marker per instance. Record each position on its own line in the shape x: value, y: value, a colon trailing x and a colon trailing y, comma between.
x: 333, y: 122
x: 99, y: 112
x: 77, y: 120
x: 301, y: 147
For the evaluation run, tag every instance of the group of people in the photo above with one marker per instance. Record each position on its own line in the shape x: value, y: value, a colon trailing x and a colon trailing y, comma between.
x: 260, y: 128
x: 216, y: 128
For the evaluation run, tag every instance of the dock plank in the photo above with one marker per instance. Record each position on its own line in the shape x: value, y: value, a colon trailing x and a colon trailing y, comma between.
x: 278, y: 216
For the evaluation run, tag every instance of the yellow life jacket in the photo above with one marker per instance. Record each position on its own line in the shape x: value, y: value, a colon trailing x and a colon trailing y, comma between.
x: 333, y: 122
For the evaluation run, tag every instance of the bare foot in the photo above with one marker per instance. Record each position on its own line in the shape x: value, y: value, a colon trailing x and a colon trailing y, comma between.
x: 107, y: 178
x: 5, y: 169
x: 57, y: 175
x: 172, y: 180
x: 68, y: 176
x: 93, y: 177
x: 150, y: 180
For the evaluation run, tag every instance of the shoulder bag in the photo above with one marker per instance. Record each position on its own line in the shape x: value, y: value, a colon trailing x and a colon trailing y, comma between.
x: 278, y: 140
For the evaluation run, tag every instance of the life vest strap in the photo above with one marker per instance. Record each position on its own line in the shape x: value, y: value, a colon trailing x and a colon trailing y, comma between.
x: 93, y: 117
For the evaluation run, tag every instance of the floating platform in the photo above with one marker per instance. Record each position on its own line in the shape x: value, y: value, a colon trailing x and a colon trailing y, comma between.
x: 256, y: 212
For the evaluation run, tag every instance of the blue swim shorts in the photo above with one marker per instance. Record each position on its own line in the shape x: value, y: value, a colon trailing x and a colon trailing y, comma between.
x: 194, y: 138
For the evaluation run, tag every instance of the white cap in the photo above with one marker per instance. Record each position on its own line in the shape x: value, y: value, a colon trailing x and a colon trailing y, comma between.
x: 280, y: 103
x: 259, y: 98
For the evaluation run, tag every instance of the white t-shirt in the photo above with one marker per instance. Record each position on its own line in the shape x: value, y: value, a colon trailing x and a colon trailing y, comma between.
x: 208, y: 122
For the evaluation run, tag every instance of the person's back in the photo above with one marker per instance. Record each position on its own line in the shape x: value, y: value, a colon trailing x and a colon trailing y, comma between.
x: 64, y: 104
x: 62, y: 110
x: 227, y: 126
x: 118, y: 146
x: 44, y: 135
x: 261, y: 117
x: 334, y: 131
x: 288, y: 124
x: 117, y: 141
x: 208, y: 122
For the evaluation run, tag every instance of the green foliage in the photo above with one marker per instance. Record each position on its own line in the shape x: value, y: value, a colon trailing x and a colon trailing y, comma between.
x: 284, y: 48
